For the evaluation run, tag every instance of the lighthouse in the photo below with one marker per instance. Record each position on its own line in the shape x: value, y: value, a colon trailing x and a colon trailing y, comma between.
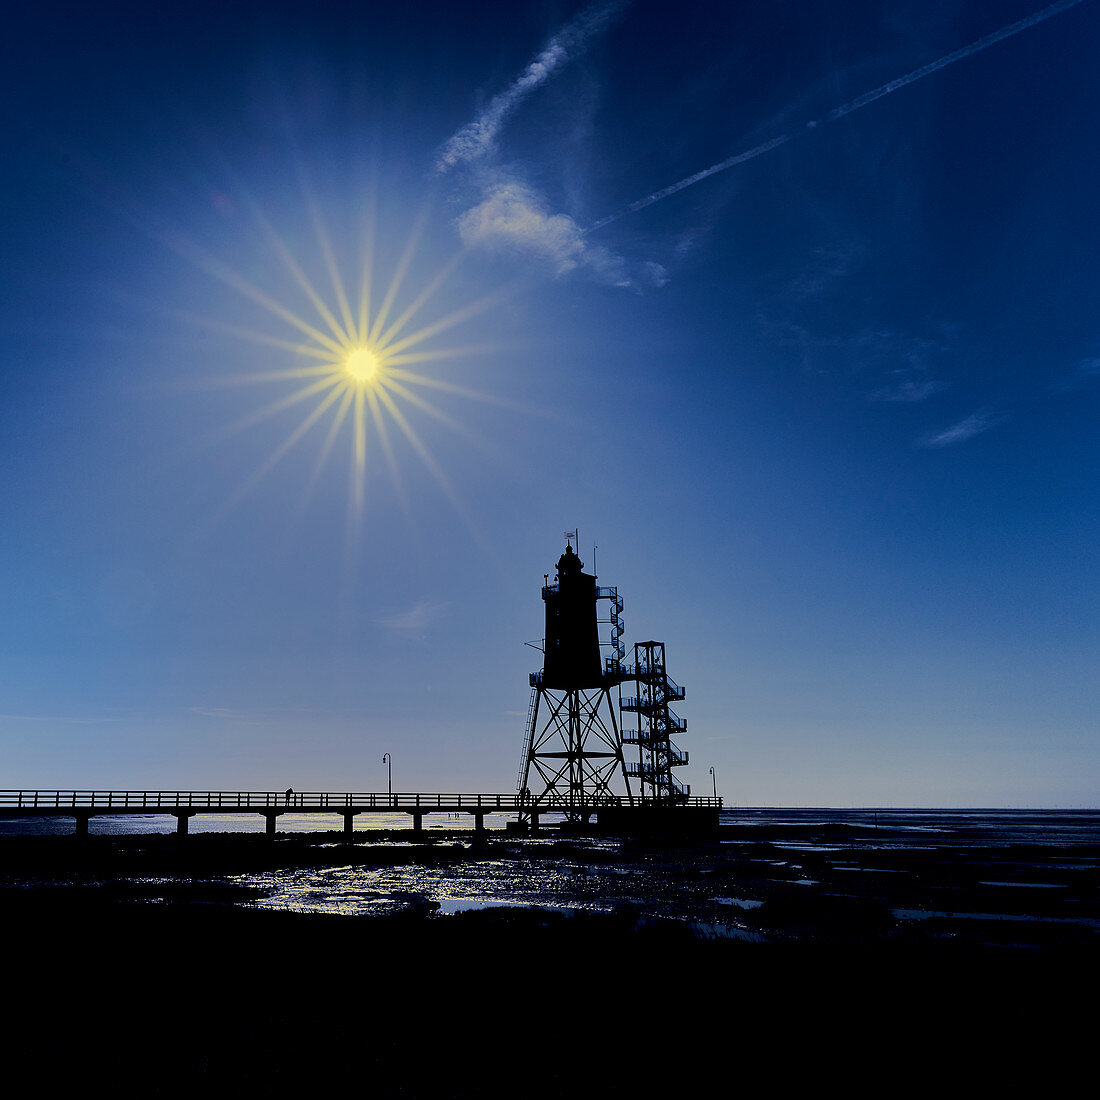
x: 573, y: 748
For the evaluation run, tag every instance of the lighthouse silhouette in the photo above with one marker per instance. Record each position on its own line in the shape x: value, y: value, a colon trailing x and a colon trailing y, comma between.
x: 572, y: 631
x: 574, y: 760
x: 573, y: 749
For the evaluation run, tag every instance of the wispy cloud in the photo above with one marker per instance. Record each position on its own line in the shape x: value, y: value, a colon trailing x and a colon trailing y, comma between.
x: 825, y: 268
x: 905, y: 390
x: 909, y: 364
x: 965, y: 429
x: 1085, y: 372
x: 514, y: 217
x: 230, y: 713
x: 505, y: 213
x: 893, y: 367
x: 478, y: 138
x: 415, y: 620
x: 56, y: 719
x: 246, y: 715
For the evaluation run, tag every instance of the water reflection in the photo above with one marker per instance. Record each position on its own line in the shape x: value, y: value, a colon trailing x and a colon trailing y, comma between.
x: 438, y: 886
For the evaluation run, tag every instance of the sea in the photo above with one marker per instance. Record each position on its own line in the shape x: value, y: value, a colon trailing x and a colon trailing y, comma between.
x: 1026, y: 877
x: 998, y: 826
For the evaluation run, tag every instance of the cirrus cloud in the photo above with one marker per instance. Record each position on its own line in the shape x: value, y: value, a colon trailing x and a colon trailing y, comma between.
x: 478, y: 138
x: 967, y: 428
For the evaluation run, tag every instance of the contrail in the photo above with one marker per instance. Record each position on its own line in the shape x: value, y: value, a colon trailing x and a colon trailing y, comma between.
x: 958, y: 55
x: 721, y: 166
x: 846, y: 108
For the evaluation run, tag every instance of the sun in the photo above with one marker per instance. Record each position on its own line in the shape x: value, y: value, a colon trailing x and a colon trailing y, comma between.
x: 363, y: 366
x: 355, y: 365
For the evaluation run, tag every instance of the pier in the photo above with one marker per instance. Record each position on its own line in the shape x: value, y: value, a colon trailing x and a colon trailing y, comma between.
x: 83, y: 805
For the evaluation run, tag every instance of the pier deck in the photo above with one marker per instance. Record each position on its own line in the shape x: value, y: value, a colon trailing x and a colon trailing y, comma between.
x: 183, y: 805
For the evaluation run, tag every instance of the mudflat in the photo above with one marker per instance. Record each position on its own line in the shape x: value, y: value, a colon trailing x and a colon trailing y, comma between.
x: 576, y: 966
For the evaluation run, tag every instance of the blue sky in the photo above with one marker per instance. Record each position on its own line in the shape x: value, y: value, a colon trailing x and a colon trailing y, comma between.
x: 829, y: 413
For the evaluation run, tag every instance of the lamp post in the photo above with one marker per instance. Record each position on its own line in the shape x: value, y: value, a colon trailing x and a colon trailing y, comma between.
x: 714, y: 782
x: 387, y: 760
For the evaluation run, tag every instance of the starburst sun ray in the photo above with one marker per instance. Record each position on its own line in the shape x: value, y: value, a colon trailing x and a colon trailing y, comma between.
x: 356, y: 364
x: 325, y: 245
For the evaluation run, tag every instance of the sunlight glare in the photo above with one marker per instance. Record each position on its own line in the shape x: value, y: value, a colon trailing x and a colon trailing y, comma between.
x: 362, y: 365
x: 359, y: 370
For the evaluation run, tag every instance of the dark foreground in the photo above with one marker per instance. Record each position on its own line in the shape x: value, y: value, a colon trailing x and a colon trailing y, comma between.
x: 140, y: 965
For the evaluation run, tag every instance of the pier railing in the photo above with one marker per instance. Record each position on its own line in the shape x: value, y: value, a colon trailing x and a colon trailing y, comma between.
x: 107, y: 801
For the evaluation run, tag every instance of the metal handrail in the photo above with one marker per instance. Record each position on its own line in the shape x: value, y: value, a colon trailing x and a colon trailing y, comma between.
x: 674, y: 757
x: 653, y: 707
x: 260, y: 801
x: 648, y: 672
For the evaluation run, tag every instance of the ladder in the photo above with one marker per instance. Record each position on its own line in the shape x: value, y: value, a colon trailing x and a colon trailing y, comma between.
x: 528, y: 733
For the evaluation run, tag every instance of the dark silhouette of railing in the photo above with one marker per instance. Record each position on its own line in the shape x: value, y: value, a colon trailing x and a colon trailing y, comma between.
x: 183, y: 805
x: 306, y: 801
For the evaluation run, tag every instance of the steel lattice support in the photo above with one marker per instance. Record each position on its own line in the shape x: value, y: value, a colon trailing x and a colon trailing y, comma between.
x: 575, y: 751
